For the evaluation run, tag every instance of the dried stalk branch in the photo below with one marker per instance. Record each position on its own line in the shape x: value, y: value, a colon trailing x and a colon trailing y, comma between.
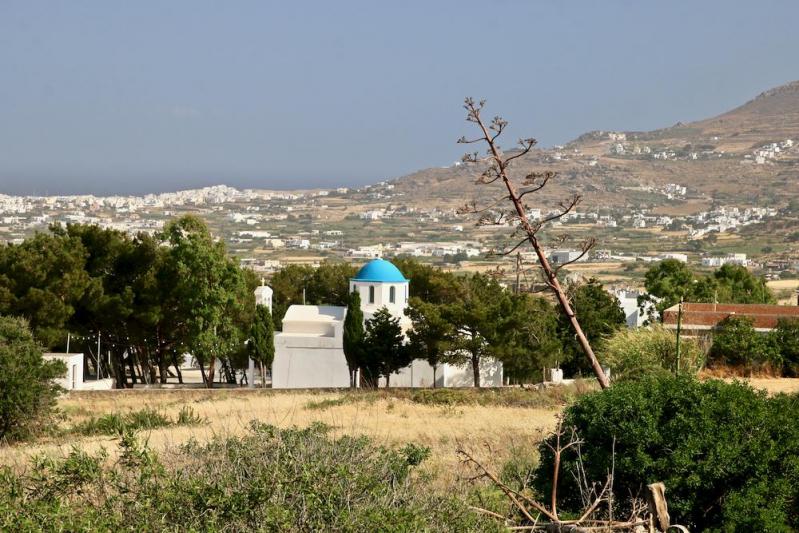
x: 498, y: 170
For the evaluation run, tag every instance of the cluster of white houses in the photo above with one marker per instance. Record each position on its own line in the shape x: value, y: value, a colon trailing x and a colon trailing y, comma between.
x: 309, y: 351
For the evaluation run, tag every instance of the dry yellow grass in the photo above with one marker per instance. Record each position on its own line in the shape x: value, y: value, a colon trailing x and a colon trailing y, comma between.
x: 783, y: 284
x: 775, y: 385
x: 493, y: 432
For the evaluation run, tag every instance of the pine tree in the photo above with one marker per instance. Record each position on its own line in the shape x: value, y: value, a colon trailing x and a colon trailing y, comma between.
x: 431, y: 335
x: 353, y: 335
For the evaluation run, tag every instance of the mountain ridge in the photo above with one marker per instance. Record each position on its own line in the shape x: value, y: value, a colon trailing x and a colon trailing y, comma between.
x: 725, y: 158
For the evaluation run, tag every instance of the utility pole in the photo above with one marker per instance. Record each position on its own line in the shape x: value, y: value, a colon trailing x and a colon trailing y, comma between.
x: 69, y: 337
x: 99, y: 354
x: 679, y: 325
x: 518, y: 271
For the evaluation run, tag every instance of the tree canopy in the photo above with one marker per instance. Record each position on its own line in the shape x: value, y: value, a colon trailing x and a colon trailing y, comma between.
x: 479, y: 316
x: 737, y: 344
x: 671, y: 280
x: 431, y: 337
x: 147, y: 299
x: 600, y: 315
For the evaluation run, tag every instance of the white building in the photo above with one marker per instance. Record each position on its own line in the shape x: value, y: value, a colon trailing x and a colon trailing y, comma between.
x: 263, y: 295
x: 729, y: 259
x: 682, y: 258
x: 73, y: 377
x: 559, y: 257
x: 628, y: 299
x: 309, y: 352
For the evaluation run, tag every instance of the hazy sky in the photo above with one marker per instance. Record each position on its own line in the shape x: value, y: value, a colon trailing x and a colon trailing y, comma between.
x: 114, y: 96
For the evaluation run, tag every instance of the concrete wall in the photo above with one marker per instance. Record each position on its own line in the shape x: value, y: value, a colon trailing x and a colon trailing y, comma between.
x: 491, y: 374
x: 308, y: 362
x: 420, y: 374
x: 100, y: 384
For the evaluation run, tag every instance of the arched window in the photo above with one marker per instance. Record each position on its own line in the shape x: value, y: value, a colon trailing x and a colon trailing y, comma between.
x: 392, y: 292
x: 371, y: 294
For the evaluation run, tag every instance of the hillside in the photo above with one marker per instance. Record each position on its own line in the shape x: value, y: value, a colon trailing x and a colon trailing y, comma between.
x: 726, y: 159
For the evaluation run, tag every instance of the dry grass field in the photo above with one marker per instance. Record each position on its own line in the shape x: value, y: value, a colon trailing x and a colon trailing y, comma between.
x: 494, y: 430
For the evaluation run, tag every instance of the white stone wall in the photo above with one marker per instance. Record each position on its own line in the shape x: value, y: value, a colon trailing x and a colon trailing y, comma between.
x: 303, y: 361
x: 418, y: 374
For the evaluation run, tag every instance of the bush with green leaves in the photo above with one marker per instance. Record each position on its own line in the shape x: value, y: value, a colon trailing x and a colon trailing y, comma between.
x: 728, y: 455
x: 114, y: 424
x: 27, y: 390
x: 786, y: 338
x: 736, y: 343
x: 268, y: 480
x: 637, y: 353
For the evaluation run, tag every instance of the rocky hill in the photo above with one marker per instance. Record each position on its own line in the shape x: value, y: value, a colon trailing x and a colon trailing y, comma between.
x: 746, y: 156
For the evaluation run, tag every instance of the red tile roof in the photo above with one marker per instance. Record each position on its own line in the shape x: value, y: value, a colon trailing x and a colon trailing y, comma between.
x: 708, y: 315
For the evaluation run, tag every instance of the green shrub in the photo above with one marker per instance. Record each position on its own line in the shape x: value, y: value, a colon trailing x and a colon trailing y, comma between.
x: 115, y: 423
x: 736, y: 343
x: 636, y: 353
x: 27, y: 392
x: 187, y: 417
x: 269, y: 480
x: 786, y: 338
x: 326, y: 403
x: 728, y: 455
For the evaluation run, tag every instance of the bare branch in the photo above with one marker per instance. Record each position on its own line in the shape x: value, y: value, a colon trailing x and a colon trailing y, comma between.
x: 538, y: 180
x: 463, y: 140
x: 527, y: 145
x: 513, y: 249
x: 586, y: 247
x: 509, y: 492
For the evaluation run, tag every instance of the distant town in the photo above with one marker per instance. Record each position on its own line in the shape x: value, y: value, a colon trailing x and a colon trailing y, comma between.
x: 266, y: 229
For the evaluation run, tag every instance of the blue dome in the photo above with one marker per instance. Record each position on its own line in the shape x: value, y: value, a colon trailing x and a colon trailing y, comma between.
x: 380, y: 271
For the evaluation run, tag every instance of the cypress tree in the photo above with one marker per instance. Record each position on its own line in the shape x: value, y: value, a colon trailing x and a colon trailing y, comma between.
x: 353, y: 335
x: 262, y: 342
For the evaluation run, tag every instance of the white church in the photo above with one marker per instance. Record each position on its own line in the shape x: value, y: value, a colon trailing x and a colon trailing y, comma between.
x: 309, y: 350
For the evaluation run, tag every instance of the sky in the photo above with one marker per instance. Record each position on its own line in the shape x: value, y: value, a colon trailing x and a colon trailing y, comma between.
x: 114, y: 97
